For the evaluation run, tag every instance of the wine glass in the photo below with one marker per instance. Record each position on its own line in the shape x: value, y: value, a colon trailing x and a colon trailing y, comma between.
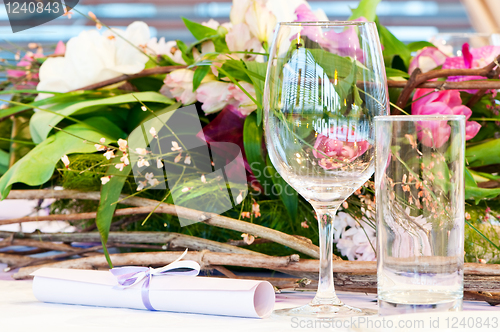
x: 325, y: 84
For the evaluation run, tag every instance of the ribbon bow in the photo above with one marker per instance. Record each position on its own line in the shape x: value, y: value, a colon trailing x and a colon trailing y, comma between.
x: 128, y: 276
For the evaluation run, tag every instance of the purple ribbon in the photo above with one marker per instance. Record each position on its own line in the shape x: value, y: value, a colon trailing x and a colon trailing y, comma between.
x: 130, y: 275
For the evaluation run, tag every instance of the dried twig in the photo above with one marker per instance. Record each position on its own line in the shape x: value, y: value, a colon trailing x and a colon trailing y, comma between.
x: 417, y: 78
x: 146, y: 205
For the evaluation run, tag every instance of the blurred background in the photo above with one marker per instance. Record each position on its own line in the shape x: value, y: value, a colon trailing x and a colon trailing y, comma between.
x: 408, y: 20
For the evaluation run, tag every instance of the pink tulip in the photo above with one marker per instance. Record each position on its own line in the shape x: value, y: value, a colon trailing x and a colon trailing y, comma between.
x: 446, y: 102
x: 338, y: 150
x: 345, y: 43
x: 427, y: 59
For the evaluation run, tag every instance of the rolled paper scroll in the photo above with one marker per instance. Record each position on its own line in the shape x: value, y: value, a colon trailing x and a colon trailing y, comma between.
x: 178, y: 293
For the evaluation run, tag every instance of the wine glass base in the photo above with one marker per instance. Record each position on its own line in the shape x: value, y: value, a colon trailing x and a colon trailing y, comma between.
x: 325, y: 311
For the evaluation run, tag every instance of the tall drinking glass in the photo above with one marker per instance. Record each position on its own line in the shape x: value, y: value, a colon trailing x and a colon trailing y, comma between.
x: 420, y: 212
x: 325, y: 84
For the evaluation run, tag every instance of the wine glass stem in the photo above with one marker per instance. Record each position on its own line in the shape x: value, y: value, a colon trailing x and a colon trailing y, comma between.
x: 326, y: 289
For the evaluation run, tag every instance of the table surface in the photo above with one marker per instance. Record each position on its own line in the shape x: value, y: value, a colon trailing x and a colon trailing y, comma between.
x: 20, y: 312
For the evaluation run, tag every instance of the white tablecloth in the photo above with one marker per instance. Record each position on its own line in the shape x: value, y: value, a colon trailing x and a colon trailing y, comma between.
x: 21, y: 312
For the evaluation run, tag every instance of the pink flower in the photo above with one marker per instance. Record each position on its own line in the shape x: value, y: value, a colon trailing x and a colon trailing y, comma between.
x: 436, y: 133
x: 26, y: 63
x: 345, y: 43
x: 214, y: 95
x: 427, y: 59
x: 338, y: 149
x: 241, y: 100
x: 239, y: 39
x: 60, y: 48
x: 471, y: 58
x: 180, y: 84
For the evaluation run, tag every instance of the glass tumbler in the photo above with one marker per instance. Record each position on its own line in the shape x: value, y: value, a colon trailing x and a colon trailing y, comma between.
x: 419, y: 181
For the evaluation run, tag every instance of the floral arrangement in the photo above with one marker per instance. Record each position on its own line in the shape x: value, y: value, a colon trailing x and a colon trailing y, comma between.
x: 72, y: 111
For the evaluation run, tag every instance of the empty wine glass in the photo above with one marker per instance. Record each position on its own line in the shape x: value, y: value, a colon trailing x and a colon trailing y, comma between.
x: 325, y: 84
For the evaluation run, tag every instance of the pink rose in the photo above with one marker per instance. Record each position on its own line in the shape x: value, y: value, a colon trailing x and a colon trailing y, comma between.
x: 338, y: 149
x: 436, y: 133
x: 427, y: 59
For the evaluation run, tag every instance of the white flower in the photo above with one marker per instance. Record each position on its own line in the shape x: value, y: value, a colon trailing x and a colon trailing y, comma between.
x: 187, y: 161
x: 100, y: 147
x: 149, y: 176
x: 120, y: 166
x: 185, y: 189
x: 160, y: 47
x: 203, y: 179
x: 180, y: 84
x: 141, y: 151
x: 93, y: 57
x: 153, y: 132
x: 239, y: 39
x: 65, y: 160
x: 124, y: 159
x: 123, y: 144
x: 144, y: 108
x: 178, y: 158
x: 247, y: 238
x: 109, y: 154
x: 260, y: 20
x: 105, y: 179
x: 142, y: 162
x: 159, y: 163
x: 175, y: 146
x: 154, y: 182
x: 239, y: 198
x: 356, y: 242
x: 102, y: 140
x: 211, y: 24
x: 141, y: 185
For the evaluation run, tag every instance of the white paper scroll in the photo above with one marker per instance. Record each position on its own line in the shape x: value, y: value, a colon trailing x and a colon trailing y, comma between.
x: 203, y: 295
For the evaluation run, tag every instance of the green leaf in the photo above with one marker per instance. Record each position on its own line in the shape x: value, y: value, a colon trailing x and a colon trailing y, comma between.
x: 418, y: 45
x: 472, y: 191
x: 252, y: 141
x: 198, y: 30
x: 487, y: 153
x: 4, y: 161
x: 42, y: 123
x: 58, y: 98
x: 147, y: 83
x: 366, y: 8
x: 257, y: 73
x: 199, y: 75
x: 392, y: 46
x: 237, y: 70
x: 287, y: 194
x: 392, y: 72
x: 37, y: 167
x: 186, y: 53
x: 110, y: 193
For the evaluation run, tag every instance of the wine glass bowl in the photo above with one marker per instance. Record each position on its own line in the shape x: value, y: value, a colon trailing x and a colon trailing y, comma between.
x: 325, y: 84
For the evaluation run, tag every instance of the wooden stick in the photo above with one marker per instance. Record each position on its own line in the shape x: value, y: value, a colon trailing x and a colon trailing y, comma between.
x: 418, y: 78
x: 205, y: 258
x: 445, y: 85
x: 172, y: 240
x: 39, y: 244
x: 207, y: 218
